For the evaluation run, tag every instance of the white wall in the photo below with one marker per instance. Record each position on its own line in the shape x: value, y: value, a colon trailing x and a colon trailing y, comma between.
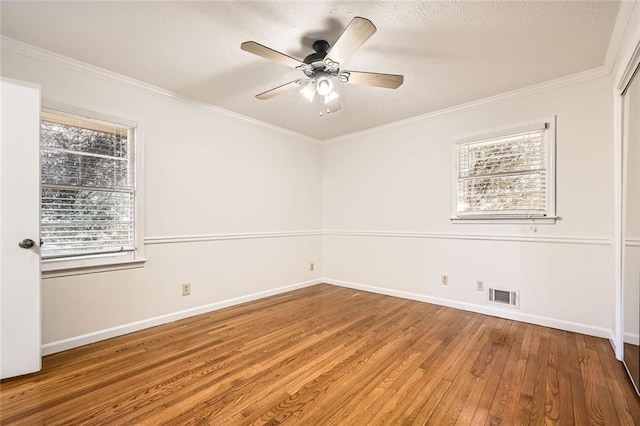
x: 382, y: 197
x: 207, y: 174
x: 392, y: 187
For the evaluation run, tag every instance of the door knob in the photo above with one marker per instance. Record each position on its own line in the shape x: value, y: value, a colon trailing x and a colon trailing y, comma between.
x: 26, y: 243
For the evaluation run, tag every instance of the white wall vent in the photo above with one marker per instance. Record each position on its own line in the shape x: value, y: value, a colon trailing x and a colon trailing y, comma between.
x: 504, y: 297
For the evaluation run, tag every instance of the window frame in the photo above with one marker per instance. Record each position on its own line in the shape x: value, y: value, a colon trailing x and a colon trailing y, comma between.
x: 108, y: 261
x: 509, y: 218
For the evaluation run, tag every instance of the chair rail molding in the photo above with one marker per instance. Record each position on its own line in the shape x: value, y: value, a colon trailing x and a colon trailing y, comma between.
x: 578, y: 240
x: 173, y: 239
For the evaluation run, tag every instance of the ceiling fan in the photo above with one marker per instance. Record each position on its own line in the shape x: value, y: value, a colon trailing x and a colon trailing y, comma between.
x: 323, y: 66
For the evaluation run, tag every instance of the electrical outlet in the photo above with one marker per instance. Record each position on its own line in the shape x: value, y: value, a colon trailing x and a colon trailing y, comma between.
x: 186, y: 289
x: 444, y: 280
x: 480, y: 285
x: 311, y: 266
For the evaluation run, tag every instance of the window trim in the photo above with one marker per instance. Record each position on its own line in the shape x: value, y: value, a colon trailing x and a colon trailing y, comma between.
x: 509, y: 218
x: 108, y: 261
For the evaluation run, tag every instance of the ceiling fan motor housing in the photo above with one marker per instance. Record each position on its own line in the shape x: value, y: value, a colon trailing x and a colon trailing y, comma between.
x: 320, y: 47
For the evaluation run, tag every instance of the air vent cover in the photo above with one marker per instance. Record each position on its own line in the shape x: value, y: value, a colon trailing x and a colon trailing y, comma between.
x: 504, y: 297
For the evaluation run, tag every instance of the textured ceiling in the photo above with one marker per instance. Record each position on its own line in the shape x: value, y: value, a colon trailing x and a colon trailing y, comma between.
x: 450, y: 52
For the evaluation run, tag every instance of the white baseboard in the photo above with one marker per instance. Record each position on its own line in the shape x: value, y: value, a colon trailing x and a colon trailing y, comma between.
x: 631, y: 338
x: 481, y: 309
x: 96, y: 336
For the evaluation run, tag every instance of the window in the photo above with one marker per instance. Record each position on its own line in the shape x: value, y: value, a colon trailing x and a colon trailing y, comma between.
x: 88, y: 190
x: 506, y: 174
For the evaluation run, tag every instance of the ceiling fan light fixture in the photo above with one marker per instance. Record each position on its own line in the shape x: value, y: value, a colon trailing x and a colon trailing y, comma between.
x: 343, y: 77
x: 331, y: 96
x: 331, y: 64
x: 324, y: 86
x: 322, y: 66
x: 331, y: 102
x: 309, y: 91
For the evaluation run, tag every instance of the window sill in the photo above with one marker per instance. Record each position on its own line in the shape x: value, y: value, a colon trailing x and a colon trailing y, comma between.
x: 52, y: 268
x: 548, y: 220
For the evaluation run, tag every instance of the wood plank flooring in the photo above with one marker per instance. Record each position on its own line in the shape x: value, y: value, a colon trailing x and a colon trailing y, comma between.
x: 328, y: 355
x: 632, y: 359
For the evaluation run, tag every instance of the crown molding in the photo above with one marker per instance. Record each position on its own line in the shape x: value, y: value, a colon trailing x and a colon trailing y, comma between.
x: 629, y: 70
x: 46, y: 56
x: 33, y: 52
x: 617, y: 35
x: 535, y: 89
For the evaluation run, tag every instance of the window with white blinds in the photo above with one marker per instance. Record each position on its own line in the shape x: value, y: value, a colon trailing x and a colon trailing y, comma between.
x: 87, y: 186
x: 505, y: 174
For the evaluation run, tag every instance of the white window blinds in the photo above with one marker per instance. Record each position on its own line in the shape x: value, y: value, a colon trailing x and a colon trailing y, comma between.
x: 87, y: 189
x: 503, y: 175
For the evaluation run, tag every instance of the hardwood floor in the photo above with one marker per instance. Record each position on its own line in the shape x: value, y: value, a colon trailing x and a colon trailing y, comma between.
x: 329, y: 355
x: 632, y: 359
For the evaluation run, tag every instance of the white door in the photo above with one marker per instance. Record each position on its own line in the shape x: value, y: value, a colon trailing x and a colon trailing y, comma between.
x: 19, y: 228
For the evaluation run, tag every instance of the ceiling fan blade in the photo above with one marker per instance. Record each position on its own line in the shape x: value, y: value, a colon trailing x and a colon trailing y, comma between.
x: 357, y: 32
x: 279, y: 90
x: 389, y: 81
x: 272, y: 55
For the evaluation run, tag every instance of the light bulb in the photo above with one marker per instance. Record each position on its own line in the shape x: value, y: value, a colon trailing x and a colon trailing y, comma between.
x: 308, y: 91
x: 331, y: 102
x: 331, y: 96
x: 324, y: 85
